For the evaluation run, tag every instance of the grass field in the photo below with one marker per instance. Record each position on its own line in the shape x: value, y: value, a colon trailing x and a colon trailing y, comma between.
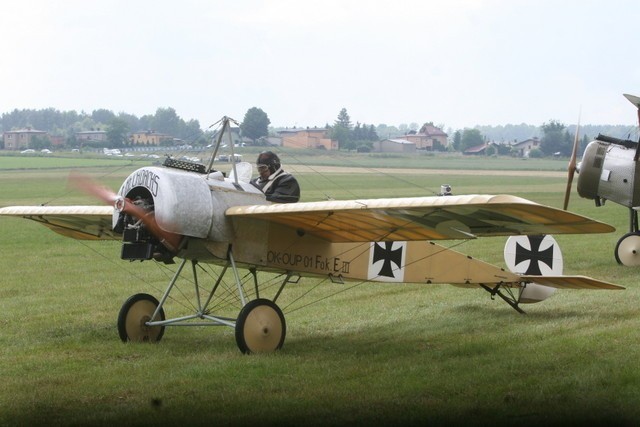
x: 371, y: 354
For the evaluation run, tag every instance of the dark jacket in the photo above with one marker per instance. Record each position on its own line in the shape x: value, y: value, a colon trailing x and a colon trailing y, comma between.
x: 280, y: 187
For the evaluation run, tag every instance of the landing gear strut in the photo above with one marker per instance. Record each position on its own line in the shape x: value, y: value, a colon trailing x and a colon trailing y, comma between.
x: 259, y: 327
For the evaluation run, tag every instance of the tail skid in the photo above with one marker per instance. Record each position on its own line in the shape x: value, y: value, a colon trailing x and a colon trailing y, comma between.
x: 507, y: 291
x: 509, y: 297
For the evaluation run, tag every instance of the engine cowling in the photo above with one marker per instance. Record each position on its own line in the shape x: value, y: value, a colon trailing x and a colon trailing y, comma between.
x: 608, y: 172
x: 188, y: 203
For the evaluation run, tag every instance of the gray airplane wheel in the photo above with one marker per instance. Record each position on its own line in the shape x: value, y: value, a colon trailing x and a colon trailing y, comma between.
x: 628, y: 250
x: 134, y: 314
x: 260, y: 327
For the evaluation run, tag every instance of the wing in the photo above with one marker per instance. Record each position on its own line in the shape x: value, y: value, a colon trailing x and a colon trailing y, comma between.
x: 422, y: 218
x: 79, y: 222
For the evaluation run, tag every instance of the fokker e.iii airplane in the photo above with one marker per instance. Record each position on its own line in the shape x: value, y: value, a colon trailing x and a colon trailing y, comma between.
x: 191, y: 212
x: 609, y: 171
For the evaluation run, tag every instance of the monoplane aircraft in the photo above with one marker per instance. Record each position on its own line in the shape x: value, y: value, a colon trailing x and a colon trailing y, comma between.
x: 191, y: 212
x: 609, y: 171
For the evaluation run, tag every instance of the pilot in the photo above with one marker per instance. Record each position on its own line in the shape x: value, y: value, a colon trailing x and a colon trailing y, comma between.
x: 279, y: 186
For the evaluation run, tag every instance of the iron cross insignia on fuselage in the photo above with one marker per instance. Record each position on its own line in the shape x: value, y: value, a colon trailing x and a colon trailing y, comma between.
x: 386, y: 261
x: 387, y: 255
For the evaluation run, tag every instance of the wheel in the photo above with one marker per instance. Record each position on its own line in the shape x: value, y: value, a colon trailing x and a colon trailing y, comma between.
x: 134, y: 314
x: 260, y: 327
x: 628, y: 250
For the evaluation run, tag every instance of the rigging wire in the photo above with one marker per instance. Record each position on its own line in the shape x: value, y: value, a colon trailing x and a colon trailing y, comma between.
x: 349, y: 162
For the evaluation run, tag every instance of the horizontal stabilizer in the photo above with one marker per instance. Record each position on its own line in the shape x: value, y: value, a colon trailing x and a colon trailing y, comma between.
x: 571, y: 282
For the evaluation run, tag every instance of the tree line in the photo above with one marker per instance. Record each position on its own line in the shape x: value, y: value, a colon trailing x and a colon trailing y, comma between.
x: 556, y: 138
x: 66, y: 124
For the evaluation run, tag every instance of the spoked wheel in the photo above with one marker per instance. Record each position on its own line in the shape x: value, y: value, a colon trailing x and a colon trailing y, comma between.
x: 134, y: 314
x: 628, y: 250
x: 260, y: 327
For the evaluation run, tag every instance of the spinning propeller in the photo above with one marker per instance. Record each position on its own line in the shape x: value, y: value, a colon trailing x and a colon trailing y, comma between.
x: 122, y: 204
x: 572, y: 167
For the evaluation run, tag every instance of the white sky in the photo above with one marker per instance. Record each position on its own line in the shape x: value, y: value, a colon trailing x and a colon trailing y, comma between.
x: 457, y: 63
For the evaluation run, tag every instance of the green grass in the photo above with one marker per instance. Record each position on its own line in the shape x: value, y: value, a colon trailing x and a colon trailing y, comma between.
x: 376, y: 353
x: 35, y: 161
x: 420, y: 159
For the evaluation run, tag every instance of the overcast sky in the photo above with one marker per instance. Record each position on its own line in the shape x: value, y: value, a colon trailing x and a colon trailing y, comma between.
x: 458, y: 63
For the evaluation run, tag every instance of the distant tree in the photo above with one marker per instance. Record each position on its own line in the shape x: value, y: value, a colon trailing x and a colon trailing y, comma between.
x: 255, y: 124
x: 145, y: 122
x: 343, y: 119
x: 457, y: 140
x: 132, y: 121
x: 167, y: 121
x: 357, y: 132
x: 193, y: 132
x: 102, y: 116
x: 117, y: 130
x: 342, y: 131
x: 470, y: 138
x: 363, y: 132
x: 583, y: 144
x: 343, y: 136
x: 364, y: 146
x: 509, y: 132
x: 362, y: 137
x: 384, y: 131
x: 381, y: 129
x: 85, y: 123
x: 72, y: 141
x: 67, y: 123
x: 555, y: 139
x: 372, y: 135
